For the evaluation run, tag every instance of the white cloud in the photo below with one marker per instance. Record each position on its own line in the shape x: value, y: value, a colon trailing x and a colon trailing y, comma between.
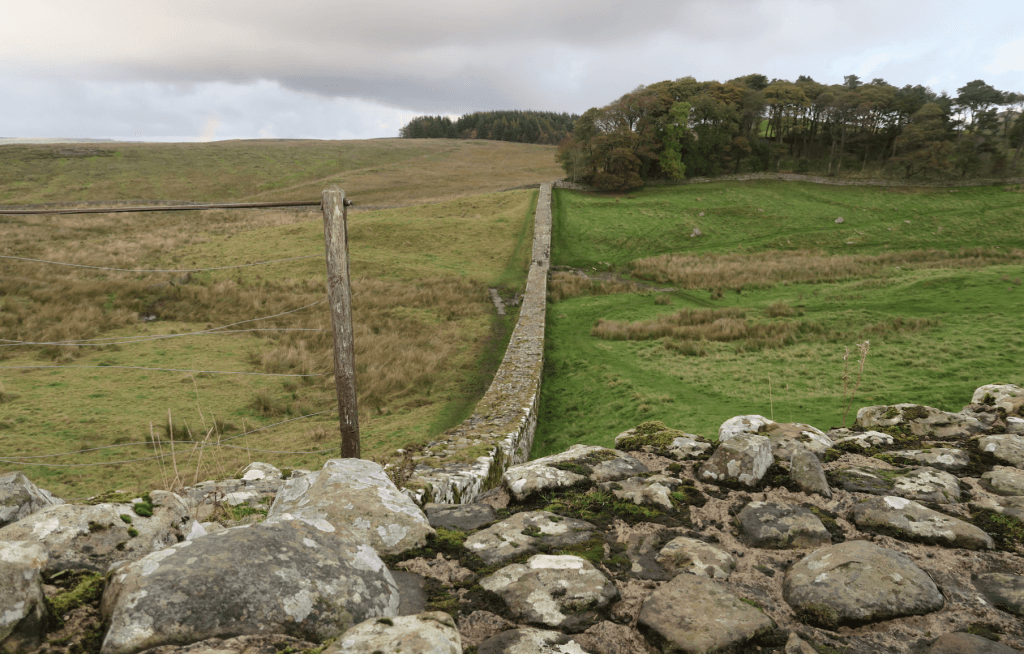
x: 1009, y: 57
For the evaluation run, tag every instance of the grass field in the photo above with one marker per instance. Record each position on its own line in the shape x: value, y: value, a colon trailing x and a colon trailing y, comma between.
x: 427, y: 337
x: 940, y: 307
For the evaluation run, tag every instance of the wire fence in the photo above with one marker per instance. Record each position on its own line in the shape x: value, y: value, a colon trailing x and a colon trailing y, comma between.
x: 46, y: 460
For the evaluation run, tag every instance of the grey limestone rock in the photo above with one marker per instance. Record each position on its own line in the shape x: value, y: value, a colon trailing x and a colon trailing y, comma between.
x: 610, y: 638
x: 806, y: 472
x: 95, y: 536
x: 269, y: 644
x: 744, y: 458
x: 574, y: 466
x: 787, y: 438
x: 1008, y: 397
x: 23, y: 613
x: 752, y: 424
x: 19, y: 498
x: 464, y: 517
x: 355, y: 494
x: 433, y: 632
x: 527, y: 640
x: 699, y: 615
x: 670, y: 442
x: 412, y: 592
x: 1015, y: 426
x: 307, y: 581
x: 1008, y: 448
x: 908, y: 520
x: 922, y: 421
x: 685, y: 554
x: 558, y: 591
x: 1004, y: 481
x: 862, y: 439
x: 922, y: 484
x: 772, y: 525
x: 1003, y: 590
x: 1012, y: 506
x: 856, y: 582
x: 943, y: 458
x: 259, y: 470
x: 524, y: 532
x: 654, y: 491
x: 961, y: 643
x: 690, y: 446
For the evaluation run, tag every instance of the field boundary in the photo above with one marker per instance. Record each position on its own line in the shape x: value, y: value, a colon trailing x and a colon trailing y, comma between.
x: 813, y: 179
x: 505, y: 418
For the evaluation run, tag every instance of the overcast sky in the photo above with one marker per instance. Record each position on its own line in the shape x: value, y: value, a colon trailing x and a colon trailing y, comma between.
x: 192, y: 70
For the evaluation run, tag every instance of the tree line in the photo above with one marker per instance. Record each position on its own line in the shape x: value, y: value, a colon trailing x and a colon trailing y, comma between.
x: 519, y: 126
x: 685, y: 128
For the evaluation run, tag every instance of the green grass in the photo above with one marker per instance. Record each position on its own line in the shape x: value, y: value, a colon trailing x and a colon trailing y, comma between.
x: 594, y: 389
x: 589, y: 229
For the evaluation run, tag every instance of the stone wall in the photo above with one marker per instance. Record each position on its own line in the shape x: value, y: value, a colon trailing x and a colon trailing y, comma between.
x: 505, y: 418
x: 832, y: 181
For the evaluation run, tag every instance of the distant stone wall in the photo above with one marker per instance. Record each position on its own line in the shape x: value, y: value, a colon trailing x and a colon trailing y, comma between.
x: 831, y: 181
x: 506, y: 417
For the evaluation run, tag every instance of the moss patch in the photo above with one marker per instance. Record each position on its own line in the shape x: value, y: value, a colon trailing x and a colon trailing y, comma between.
x: 1005, y: 530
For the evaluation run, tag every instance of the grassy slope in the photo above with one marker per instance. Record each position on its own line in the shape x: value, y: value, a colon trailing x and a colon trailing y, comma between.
x: 593, y: 389
x: 483, y: 240
x: 373, y: 172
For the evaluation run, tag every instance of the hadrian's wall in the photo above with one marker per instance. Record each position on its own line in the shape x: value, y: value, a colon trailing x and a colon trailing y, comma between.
x: 504, y: 420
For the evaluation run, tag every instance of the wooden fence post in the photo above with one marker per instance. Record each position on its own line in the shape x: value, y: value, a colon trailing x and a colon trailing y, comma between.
x: 339, y: 295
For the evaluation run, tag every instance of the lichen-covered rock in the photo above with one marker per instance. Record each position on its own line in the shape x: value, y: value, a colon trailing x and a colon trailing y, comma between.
x: 1008, y: 448
x: 942, y: 458
x: 426, y: 633
x: 268, y: 644
x: 563, y: 592
x: 1008, y: 397
x: 655, y: 438
x: 921, y: 484
x: 908, y: 520
x: 19, y: 498
x: 1012, y: 506
x: 524, y: 532
x: 961, y: 643
x: 84, y: 536
x: 697, y: 615
x: 862, y: 439
x: 464, y: 517
x: 806, y: 472
x: 23, y: 613
x: 856, y: 582
x: 1002, y: 480
x: 610, y: 638
x: 744, y: 458
x: 574, y: 466
x: 527, y: 640
x: 1003, y: 590
x: 733, y: 427
x: 307, y: 581
x: 788, y: 437
x: 1015, y: 426
x: 772, y: 525
x: 355, y: 494
x: 655, y: 490
x: 685, y: 554
x: 922, y: 421
x: 259, y: 470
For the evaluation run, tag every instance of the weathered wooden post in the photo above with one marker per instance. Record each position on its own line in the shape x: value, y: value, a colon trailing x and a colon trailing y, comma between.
x: 339, y: 295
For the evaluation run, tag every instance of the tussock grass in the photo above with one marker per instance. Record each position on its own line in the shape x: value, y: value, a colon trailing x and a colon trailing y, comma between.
x: 564, y: 285
x: 765, y: 269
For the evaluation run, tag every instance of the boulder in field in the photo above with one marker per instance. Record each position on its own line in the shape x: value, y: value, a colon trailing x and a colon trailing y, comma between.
x: 23, y: 613
x: 857, y: 582
x: 308, y: 581
x: 561, y: 592
x: 95, y: 536
x: 698, y: 615
x: 788, y: 437
x: 772, y: 525
x: 432, y: 632
x: 806, y: 472
x: 922, y: 484
x: 524, y: 533
x: 20, y: 498
x: 1008, y: 397
x: 921, y: 421
x: 356, y: 495
x: 743, y: 458
x: 752, y: 424
x: 907, y: 520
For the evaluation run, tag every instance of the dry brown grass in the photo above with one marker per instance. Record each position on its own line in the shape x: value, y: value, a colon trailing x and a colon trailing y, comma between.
x: 565, y: 285
x: 766, y: 269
